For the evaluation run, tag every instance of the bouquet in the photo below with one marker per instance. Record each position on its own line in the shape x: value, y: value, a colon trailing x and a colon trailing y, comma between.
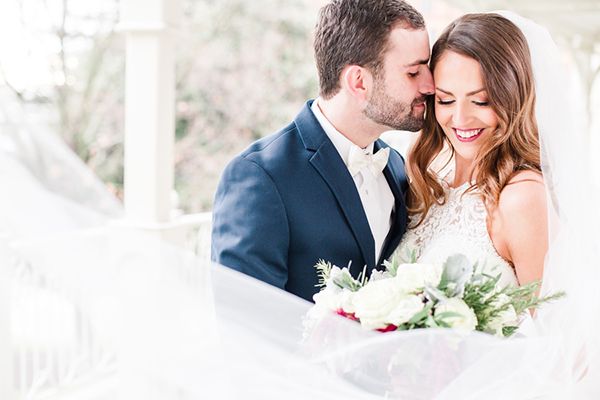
x: 413, y: 295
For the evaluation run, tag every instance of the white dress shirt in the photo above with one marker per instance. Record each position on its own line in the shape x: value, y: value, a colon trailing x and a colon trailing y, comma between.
x: 375, y: 193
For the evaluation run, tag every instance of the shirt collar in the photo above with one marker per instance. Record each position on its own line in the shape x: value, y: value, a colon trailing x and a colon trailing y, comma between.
x: 340, y: 142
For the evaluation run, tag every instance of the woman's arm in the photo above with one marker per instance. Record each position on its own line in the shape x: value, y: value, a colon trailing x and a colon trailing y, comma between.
x: 519, y: 225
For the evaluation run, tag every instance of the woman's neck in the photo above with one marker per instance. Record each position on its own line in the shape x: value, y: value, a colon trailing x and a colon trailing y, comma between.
x: 463, y: 171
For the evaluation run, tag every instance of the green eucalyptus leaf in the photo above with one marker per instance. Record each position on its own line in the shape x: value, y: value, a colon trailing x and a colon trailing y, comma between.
x: 421, y: 315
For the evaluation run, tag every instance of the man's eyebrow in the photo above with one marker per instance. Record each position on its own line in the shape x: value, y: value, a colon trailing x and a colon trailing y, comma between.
x: 418, y: 62
x: 468, y: 94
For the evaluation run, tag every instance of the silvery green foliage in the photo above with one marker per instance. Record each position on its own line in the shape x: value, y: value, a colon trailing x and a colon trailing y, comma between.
x: 457, y: 272
x: 334, y: 276
x: 434, y: 294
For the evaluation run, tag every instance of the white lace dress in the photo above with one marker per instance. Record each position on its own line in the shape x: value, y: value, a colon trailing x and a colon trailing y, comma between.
x: 458, y: 226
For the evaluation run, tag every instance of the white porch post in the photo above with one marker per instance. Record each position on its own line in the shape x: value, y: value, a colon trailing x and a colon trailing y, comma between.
x: 149, y: 108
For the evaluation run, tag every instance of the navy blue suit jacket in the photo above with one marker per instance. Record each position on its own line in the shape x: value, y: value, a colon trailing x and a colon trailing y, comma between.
x: 288, y: 201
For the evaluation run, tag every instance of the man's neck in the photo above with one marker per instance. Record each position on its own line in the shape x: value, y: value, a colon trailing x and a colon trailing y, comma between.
x: 347, y: 119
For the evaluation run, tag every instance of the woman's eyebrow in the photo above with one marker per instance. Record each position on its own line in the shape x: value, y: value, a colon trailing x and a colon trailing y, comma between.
x: 468, y: 94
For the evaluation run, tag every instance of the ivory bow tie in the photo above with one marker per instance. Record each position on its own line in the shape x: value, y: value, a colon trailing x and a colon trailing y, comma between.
x: 358, y: 160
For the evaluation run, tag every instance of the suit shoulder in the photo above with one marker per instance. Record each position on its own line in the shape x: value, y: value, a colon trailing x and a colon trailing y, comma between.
x: 276, y: 149
x: 270, y: 142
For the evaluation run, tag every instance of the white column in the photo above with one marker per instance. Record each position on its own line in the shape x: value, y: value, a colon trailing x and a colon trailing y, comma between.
x: 149, y: 108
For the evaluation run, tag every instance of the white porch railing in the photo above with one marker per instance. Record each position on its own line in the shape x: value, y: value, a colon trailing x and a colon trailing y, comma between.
x: 52, y: 344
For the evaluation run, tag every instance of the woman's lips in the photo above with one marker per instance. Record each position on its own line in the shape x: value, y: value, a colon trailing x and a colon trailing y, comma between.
x: 467, y: 135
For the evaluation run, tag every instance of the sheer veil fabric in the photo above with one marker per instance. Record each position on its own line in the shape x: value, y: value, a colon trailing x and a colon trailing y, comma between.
x: 574, y: 241
x: 175, y: 327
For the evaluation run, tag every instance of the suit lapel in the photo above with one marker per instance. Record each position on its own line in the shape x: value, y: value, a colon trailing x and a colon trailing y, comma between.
x: 333, y: 170
x: 394, y: 174
x: 328, y: 163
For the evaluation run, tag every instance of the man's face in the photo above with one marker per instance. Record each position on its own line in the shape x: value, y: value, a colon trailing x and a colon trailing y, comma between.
x: 399, y: 89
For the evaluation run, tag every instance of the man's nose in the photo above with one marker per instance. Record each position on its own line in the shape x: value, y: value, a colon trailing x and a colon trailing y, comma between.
x: 427, y: 87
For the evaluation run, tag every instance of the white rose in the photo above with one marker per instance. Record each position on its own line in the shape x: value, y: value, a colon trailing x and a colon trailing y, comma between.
x: 374, y: 302
x: 328, y: 298
x: 433, y: 274
x: 377, y: 275
x: 467, y: 319
x: 413, y: 277
x: 346, y: 301
x: 406, y: 308
x: 334, y: 298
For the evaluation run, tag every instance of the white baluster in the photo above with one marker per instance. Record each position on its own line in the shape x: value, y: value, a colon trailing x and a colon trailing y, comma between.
x: 6, y: 351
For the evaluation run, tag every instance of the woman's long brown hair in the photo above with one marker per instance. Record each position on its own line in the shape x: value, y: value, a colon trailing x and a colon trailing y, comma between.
x: 502, y: 52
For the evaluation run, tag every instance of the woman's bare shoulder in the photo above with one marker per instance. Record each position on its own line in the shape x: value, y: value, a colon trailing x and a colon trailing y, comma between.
x: 524, y: 194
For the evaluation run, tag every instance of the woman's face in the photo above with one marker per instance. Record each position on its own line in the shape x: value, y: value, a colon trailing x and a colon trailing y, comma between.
x: 461, y: 104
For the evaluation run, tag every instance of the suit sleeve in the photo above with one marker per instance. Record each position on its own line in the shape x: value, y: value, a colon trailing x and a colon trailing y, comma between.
x: 250, y: 228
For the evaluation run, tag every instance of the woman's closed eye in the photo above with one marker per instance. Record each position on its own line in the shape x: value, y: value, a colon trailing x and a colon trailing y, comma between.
x: 445, y: 102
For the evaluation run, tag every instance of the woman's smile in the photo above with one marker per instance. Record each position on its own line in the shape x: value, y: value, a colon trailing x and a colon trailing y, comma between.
x: 467, y: 135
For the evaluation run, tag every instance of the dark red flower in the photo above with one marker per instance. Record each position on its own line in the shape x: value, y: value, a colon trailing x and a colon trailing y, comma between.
x: 347, y: 315
x: 388, y: 328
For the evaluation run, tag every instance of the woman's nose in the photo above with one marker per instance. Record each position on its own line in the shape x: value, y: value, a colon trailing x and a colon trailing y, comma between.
x: 460, y: 116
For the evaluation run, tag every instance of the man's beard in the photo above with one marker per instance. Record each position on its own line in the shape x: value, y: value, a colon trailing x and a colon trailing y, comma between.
x: 385, y: 110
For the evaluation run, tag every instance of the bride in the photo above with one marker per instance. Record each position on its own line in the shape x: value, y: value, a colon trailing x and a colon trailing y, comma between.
x: 491, y: 203
x: 499, y: 174
x: 177, y: 336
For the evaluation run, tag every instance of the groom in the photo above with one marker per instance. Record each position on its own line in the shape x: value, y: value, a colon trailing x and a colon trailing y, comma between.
x: 325, y: 186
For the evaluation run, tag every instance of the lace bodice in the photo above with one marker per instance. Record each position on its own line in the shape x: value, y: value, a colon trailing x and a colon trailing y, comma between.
x: 458, y: 226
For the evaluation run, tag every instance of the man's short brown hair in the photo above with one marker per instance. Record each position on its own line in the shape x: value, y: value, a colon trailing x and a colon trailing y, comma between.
x: 356, y: 32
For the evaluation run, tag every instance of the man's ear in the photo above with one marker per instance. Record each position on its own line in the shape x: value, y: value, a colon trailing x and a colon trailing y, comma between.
x: 357, y: 81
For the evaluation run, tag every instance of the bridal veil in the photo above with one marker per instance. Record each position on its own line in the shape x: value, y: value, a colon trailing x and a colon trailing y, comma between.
x: 138, y: 318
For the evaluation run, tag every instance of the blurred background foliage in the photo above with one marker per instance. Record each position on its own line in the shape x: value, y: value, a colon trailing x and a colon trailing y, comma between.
x: 243, y: 71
